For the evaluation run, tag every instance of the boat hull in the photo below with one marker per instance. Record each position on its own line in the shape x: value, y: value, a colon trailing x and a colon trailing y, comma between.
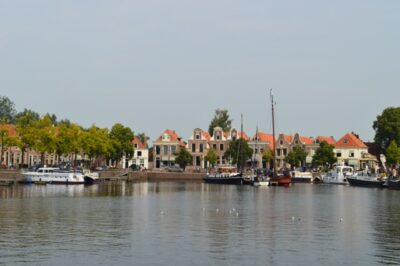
x: 280, y: 181
x: 230, y: 180
x: 301, y: 180
x: 365, y: 182
x: 393, y: 184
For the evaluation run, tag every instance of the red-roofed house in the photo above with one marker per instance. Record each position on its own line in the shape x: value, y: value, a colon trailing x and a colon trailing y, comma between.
x: 259, y: 143
x: 311, y: 148
x: 352, y: 151
x: 198, y: 145
x: 166, y: 147
x: 141, y: 154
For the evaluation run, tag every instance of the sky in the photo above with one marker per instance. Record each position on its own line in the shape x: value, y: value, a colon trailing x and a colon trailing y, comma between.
x: 155, y: 64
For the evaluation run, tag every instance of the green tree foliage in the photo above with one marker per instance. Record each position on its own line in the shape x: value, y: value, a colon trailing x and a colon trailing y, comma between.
x: 26, y: 132
x: 387, y: 127
x: 44, y: 136
x: 239, y: 152
x: 96, y: 143
x: 183, y: 158
x: 324, y: 155
x: 211, y: 157
x: 393, y: 153
x: 221, y: 119
x: 143, y: 138
x: 121, y: 138
x: 267, y: 156
x: 68, y: 139
x: 7, y: 110
x: 296, y: 157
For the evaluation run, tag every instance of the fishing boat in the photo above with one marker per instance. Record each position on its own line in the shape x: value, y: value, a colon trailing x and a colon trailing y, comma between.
x: 224, y: 175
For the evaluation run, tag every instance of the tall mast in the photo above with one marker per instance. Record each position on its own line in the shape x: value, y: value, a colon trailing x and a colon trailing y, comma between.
x: 240, y: 143
x: 273, y: 133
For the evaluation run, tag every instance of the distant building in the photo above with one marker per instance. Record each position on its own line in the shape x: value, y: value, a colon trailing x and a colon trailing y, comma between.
x: 352, y: 151
x: 166, y: 147
x: 198, y: 145
x: 312, y: 147
x: 141, y: 154
x: 259, y: 143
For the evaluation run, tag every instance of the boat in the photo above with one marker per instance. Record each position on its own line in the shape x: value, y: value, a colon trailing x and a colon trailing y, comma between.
x: 224, y: 175
x: 366, y: 181
x: 281, y: 180
x: 54, y: 176
x: 91, y: 178
x: 393, y: 183
x: 338, y: 175
x: 301, y: 177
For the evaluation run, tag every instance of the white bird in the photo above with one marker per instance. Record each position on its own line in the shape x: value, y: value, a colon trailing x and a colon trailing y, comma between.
x: 204, y: 209
x: 237, y: 214
x: 341, y: 219
x: 217, y: 210
x: 293, y: 218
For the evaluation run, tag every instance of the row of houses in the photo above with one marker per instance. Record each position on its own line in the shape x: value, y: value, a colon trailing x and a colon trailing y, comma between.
x: 349, y: 149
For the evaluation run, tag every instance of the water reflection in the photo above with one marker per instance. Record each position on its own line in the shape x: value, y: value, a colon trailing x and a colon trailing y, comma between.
x: 150, y: 223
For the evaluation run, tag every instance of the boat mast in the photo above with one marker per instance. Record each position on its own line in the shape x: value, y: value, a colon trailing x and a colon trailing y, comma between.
x: 240, y: 156
x: 273, y: 134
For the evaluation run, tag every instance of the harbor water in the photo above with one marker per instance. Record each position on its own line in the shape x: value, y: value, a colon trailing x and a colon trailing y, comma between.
x: 191, y: 223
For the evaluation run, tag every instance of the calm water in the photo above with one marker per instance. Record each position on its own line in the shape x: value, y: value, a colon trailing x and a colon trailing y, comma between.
x: 197, y: 224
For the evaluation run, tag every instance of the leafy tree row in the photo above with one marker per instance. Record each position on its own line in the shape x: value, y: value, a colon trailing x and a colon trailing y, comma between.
x: 45, y: 134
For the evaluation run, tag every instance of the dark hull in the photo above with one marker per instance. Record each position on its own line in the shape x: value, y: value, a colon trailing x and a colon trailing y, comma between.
x: 90, y: 181
x: 301, y: 180
x: 236, y: 180
x: 393, y: 184
x: 365, y: 183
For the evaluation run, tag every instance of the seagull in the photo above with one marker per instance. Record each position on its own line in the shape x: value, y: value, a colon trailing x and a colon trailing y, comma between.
x: 217, y: 210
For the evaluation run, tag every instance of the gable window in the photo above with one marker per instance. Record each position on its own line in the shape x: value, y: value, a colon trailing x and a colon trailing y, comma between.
x: 281, y: 142
x: 218, y: 137
x: 136, y: 146
x: 351, y: 154
x: 215, y: 146
x: 158, y: 150
x: 221, y: 147
x: 139, y: 153
x: 201, y: 147
x: 193, y: 147
x: 197, y: 136
x: 165, y: 150
x: 278, y: 152
x: 173, y: 149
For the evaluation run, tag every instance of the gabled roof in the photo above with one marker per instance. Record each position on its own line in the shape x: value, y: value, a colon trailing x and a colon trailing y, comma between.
x: 172, y: 134
x: 12, y: 132
x: 140, y: 145
x: 262, y: 136
x: 329, y: 140
x: 288, y: 138
x: 350, y: 141
x: 206, y: 135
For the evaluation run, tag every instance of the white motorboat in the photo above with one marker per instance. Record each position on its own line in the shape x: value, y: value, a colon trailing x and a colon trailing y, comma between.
x: 301, y: 177
x: 54, y: 176
x: 338, y: 175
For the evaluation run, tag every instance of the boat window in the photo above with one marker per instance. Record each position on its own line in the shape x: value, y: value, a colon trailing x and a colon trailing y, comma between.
x: 40, y: 171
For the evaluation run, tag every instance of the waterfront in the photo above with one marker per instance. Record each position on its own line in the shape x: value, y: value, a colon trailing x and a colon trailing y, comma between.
x: 182, y: 223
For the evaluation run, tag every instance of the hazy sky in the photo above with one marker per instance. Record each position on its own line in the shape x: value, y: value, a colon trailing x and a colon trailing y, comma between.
x: 152, y: 65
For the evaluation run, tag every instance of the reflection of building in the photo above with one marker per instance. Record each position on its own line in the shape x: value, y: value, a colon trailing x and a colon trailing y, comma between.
x: 166, y: 147
x: 350, y: 150
x: 141, y: 154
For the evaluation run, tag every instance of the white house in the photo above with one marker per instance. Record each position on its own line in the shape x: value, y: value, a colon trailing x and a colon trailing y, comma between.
x: 141, y: 154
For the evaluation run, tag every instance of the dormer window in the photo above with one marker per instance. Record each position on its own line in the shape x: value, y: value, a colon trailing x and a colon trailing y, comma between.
x: 346, y: 141
x: 165, y: 137
x: 197, y: 136
x: 281, y: 142
x: 218, y: 137
x: 136, y: 146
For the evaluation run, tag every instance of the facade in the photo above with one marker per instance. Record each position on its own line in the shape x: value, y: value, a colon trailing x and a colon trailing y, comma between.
x: 198, y: 145
x: 352, y: 151
x: 282, y: 147
x: 141, y: 154
x: 259, y: 143
x: 311, y: 148
x: 165, y: 149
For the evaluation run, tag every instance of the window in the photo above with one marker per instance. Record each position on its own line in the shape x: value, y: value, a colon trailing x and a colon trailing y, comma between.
x: 201, y: 147
x: 221, y: 147
x: 139, y: 153
x: 281, y: 142
x: 158, y: 150
x: 197, y: 136
x: 218, y: 137
x: 215, y: 146
x: 142, y: 161
x: 193, y: 147
x: 351, y: 154
x: 284, y: 152
x: 339, y: 154
x: 278, y: 152
x: 135, y: 146
x: 173, y: 149
x: 165, y: 150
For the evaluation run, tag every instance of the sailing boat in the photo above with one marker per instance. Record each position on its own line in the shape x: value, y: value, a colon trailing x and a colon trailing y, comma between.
x: 277, y: 180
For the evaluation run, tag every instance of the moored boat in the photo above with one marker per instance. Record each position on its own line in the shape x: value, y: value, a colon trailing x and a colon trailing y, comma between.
x: 224, y: 175
x: 301, y: 177
x: 284, y: 180
x: 338, y: 175
x: 393, y: 184
x: 54, y: 176
x: 366, y: 181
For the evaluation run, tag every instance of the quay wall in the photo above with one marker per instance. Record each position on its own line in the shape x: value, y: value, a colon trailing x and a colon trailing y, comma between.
x: 165, y: 176
x: 11, y: 175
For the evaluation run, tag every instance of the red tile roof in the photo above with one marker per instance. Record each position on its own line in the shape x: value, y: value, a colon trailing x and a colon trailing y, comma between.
x: 12, y: 132
x: 329, y: 140
x: 306, y: 140
x: 172, y: 134
x: 139, y: 144
x: 288, y: 138
x: 206, y: 135
x: 264, y: 137
x: 350, y: 141
x: 245, y: 136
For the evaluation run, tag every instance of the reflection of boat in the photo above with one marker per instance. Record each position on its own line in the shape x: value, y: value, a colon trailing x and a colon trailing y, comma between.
x: 338, y: 175
x: 54, y: 176
x: 40, y: 183
x: 224, y: 175
x: 6, y: 182
x: 301, y: 177
x: 366, y: 181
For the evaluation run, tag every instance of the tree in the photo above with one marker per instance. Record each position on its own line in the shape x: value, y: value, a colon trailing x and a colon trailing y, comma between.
x: 267, y: 156
x: 324, y: 155
x: 143, y: 138
x: 45, y: 136
x: 239, y: 152
x: 26, y: 133
x: 7, y: 110
x: 68, y: 139
x: 296, y: 157
x: 183, y: 158
x: 221, y: 119
x: 96, y: 143
x: 121, y: 138
x: 211, y: 157
x: 387, y: 128
x: 393, y: 153
x: 6, y: 140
